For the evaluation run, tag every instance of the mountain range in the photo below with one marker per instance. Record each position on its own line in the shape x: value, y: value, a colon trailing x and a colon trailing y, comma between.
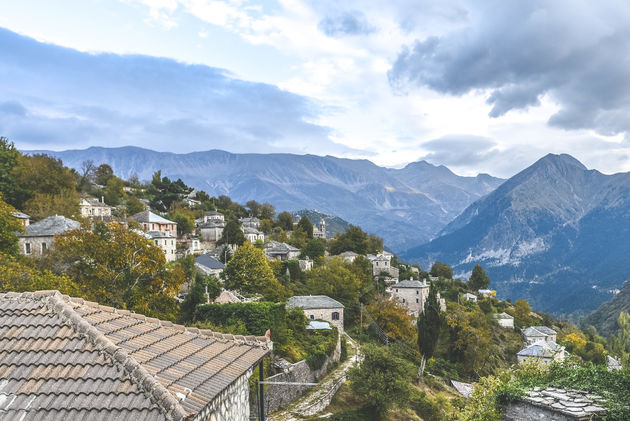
x: 556, y: 234
x: 405, y: 206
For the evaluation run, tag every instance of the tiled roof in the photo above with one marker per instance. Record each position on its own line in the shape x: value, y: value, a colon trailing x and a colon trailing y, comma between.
x: 278, y: 247
x: 209, y: 262
x: 503, y: 315
x: 66, y: 358
x: 541, y: 349
x: 538, y: 331
x: 313, y: 302
x: 212, y: 213
x: 148, y: 216
x: 20, y: 215
x: 94, y: 202
x: 52, y: 225
x: 410, y: 283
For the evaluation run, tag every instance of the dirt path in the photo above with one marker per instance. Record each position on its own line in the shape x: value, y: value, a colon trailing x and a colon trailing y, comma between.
x: 318, y: 398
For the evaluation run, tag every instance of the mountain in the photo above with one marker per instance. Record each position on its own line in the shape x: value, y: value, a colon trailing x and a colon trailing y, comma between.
x: 404, y: 206
x: 605, y: 317
x: 334, y: 224
x: 556, y: 234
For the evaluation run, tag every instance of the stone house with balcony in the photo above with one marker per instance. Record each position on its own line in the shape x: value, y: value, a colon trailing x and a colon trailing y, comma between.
x: 152, y: 222
x: 252, y: 234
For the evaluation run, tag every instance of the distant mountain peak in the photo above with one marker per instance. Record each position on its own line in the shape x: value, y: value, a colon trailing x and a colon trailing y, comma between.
x: 559, y: 160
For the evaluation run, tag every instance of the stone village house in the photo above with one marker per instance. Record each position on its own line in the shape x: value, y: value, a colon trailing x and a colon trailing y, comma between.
x: 39, y: 236
x: 94, y: 209
x: 152, y: 222
x: 540, y: 344
x: 319, y: 307
x: 412, y: 294
x: 66, y: 358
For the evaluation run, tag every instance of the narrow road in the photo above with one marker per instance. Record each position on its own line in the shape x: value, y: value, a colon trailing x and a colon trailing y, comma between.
x: 318, y: 398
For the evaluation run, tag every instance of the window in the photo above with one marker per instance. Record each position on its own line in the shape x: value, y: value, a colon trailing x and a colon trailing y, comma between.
x: 43, y: 247
x: 335, y: 315
x: 312, y: 317
x: 417, y: 301
x: 27, y: 248
x: 417, y: 292
x: 396, y: 289
x: 403, y: 301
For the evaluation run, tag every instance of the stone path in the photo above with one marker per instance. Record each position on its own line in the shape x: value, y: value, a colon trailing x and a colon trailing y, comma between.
x: 318, y: 398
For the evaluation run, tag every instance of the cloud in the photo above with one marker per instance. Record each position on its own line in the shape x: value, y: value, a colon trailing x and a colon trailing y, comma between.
x: 346, y: 23
x: 572, y: 50
x: 59, y: 97
x: 459, y: 150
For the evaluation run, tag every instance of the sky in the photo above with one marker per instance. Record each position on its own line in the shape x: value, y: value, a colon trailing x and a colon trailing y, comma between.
x: 479, y: 86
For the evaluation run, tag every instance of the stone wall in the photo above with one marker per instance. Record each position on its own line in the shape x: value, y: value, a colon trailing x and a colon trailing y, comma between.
x: 279, y: 396
x: 232, y: 404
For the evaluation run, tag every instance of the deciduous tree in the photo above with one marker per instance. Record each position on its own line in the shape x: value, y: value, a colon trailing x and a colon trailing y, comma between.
x: 307, y: 226
x: 9, y: 225
x: 249, y: 271
x: 382, y: 380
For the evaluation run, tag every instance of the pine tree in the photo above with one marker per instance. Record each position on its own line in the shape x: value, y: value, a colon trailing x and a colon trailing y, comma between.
x: 429, y: 325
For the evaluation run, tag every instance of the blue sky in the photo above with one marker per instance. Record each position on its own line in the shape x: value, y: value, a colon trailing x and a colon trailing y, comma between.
x: 480, y: 86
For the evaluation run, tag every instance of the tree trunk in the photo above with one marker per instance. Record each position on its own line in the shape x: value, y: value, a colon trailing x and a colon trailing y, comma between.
x: 421, y: 369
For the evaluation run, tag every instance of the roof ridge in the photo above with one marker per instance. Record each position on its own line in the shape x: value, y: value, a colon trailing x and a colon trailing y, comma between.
x: 257, y: 341
x: 157, y: 393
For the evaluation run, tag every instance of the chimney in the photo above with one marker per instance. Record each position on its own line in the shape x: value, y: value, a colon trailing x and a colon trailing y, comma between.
x: 102, y: 199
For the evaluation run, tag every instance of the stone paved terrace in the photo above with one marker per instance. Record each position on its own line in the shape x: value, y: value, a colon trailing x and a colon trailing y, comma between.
x: 556, y: 404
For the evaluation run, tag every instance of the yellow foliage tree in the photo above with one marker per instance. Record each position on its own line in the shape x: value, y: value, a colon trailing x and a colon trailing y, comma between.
x: 392, y: 318
x: 115, y: 266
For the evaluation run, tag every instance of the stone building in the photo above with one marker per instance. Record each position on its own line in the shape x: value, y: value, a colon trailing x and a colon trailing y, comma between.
x: 544, y: 352
x: 152, y: 222
x: 319, y: 307
x: 470, y: 297
x: 411, y: 294
x: 319, y: 230
x: 348, y: 256
x: 94, y: 209
x: 534, y: 334
x: 250, y: 222
x: 381, y: 263
x: 211, y: 230
x: 504, y: 320
x: 166, y: 241
x: 105, y: 363
x: 252, y: 234
x: 39, y: 236
x: 281, y: 251
x: 213, y: 216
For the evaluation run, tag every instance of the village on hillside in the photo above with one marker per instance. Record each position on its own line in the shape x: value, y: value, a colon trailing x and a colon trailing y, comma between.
x: 156, y: 301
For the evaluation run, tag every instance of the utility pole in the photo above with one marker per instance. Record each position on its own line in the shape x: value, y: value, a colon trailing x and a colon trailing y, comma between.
x: 261, y: 392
